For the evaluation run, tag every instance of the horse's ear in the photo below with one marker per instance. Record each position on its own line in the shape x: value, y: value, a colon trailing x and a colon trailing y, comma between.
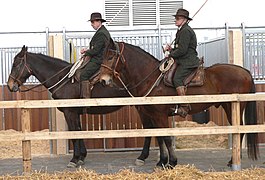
x: 24, y: 48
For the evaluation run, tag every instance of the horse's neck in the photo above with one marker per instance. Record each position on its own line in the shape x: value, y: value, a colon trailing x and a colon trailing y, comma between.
x: 142, y: 68
x: 46, y: 69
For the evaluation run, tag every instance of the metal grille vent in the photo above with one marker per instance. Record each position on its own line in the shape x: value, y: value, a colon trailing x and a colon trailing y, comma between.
x: 117, y: 12
x: 167, y: 9
x: 144, y: 12
x: 141, y: 12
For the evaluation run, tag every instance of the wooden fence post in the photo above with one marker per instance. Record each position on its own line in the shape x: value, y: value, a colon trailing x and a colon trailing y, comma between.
x: 26, y: 144
x: 236, y: 158
x: 58, y: 122
x: 235, y: 47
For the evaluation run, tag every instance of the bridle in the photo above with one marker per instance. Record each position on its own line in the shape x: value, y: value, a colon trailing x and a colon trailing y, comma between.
x: 120, y: 57
x: 29, y: 70
x: 116, y: 74
x: 25, y: 66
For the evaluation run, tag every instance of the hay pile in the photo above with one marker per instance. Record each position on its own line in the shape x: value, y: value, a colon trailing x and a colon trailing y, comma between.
x: 180, y: 172
x: 200, y: 141
x: 13, y: 149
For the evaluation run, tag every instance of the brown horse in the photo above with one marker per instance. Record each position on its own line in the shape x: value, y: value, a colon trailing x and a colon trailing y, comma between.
x: 137, y: 71
x: 49, y: 71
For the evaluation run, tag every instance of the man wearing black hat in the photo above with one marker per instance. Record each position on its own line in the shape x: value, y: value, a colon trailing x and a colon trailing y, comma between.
x: 94, y: 55
x: 185, y: 54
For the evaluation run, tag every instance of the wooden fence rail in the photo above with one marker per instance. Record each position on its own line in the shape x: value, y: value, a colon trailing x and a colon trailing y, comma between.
x: 26, y: 136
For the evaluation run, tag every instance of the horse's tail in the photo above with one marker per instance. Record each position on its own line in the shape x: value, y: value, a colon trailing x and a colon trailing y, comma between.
x: 251, y: 119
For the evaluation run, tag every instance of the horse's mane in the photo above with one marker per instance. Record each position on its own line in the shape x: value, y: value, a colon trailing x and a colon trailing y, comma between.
x: 137, y: 48
x: 140, y: 50
x: 53, y: 60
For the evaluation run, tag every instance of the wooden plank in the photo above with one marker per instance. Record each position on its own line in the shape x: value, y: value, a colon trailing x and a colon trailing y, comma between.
x: 132, y: 101
x: 134, y: 133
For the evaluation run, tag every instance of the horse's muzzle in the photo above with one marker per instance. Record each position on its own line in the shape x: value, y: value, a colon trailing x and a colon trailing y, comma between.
x: 12, y: 85
x: 106, y: 80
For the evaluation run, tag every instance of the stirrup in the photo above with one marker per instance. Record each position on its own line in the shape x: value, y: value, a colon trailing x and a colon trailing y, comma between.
x: 182, y: 111
x: 176, y: 110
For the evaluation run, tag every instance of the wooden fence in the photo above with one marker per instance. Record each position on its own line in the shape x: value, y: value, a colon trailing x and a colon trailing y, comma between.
x: 26, y: 136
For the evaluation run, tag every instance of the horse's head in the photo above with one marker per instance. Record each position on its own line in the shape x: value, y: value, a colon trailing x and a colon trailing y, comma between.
x: 110, y: 66
x: 20, y: 71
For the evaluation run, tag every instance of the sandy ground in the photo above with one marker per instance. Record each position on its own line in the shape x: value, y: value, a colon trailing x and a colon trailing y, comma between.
x: 13, y: 149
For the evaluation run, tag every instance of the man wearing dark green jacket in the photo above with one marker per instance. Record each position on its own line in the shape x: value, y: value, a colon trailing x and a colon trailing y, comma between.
x: 185, y: 54
x: 95, y: 52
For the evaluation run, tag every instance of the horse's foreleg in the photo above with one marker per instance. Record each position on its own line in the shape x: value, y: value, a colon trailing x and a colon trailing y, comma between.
x: 163, y: 152
x: 74, y: 161
x: 79, y: 154
x: 83, y: 152
x: 173, y: 160
x: 145, y: 152
x: 147, y: 123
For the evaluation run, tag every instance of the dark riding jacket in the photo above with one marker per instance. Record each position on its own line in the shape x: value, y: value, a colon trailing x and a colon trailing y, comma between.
x: 98, y: 44
x: 184, y: 50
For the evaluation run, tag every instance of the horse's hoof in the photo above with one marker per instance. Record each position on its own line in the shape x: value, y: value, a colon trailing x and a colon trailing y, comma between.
x: 80, y: 163
x: 172, y: 164
x: 168, y: 166
x: 160, y: 166
x: 139, y: 162
x: 229, y: 165
x: 71, y: 165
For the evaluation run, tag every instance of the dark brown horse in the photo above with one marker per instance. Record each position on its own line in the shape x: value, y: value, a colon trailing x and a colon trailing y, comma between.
x: 137, y: 71
x: 49, y: 71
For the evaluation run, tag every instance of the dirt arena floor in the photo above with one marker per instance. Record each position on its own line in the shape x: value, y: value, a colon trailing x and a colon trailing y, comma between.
x: 206, y: 160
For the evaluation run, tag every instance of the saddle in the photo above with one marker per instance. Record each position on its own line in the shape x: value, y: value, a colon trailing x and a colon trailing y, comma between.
x: 196, y: 78
x: 92, y: 80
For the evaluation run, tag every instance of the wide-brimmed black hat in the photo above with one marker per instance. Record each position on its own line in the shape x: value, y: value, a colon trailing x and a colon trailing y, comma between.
x: 183, y: 13
x: 96, y: 16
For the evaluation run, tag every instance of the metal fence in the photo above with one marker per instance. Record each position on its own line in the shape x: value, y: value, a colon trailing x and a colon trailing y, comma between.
x: 6, y: 60
x: 214, y: 51
x: 254, y: 53
x: 151, y: 40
